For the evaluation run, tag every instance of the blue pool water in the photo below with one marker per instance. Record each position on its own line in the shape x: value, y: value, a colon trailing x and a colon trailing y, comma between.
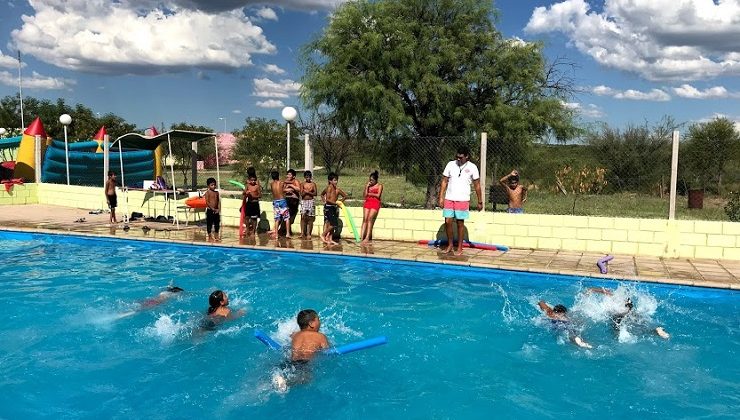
x: 463, y: 343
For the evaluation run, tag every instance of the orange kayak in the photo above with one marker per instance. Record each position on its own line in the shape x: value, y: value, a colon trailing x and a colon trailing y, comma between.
x: 196, y: 202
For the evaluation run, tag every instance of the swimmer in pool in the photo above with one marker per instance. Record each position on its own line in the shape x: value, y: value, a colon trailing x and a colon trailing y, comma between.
x: 150, y: 303
x: 161, y: 298
x: 558, y: 315
x: 303, y: 348
x: 219, y: 311
x: 628, y: 316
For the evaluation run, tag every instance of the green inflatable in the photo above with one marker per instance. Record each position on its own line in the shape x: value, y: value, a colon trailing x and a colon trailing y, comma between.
x: 351, y: 222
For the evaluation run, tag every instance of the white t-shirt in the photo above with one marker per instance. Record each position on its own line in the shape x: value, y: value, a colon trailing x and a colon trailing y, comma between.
x: 459, y: 179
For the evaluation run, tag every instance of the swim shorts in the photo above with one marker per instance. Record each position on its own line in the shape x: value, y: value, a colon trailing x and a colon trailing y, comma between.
x: 515, y: 210
x: 280, y: 208
x: 308, y: 208
x: 459, y: 210
x: 253, y: 209
x: 112, y: 201
x: 331, y: 214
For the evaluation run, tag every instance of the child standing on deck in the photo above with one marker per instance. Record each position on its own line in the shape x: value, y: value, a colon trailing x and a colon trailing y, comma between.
x: 213, y: 210
x: 251, y: 201
x: 292, y: 191
x: 373, y: 191
x: 331, y: 213
x: 110, y: 195
x: 308, y: 204
x: 279, y: 205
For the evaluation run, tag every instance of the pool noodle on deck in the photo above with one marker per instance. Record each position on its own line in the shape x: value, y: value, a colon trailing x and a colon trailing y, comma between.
x: 466, y: 244
x: 347, y: 348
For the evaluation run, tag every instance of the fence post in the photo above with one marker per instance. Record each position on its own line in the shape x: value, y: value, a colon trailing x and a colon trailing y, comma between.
x: 674, y: 176
x: 106, y: 158
x: 483, y: 164
x: 193, y: 165
x: 307, y: 154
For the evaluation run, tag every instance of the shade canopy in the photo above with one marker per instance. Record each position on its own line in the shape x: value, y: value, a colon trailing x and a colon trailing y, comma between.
x: 142, y: 142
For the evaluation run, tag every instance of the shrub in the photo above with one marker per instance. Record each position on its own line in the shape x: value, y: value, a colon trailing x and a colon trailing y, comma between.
x: 732, y: 208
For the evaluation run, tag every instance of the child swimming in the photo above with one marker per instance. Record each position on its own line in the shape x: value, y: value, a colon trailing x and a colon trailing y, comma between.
x: 304, y: 346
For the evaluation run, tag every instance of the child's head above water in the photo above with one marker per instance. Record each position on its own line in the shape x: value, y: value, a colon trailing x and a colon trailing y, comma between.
x: 308, y: 318
x: 559, y: 309
x: 216, y: 300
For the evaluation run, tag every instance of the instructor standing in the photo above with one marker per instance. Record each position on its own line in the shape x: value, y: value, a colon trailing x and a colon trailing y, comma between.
x: 454, y: 195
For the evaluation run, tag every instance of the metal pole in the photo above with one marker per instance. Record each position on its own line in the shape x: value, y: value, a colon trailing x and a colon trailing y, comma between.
x: 123, y: 183
x: 172, y: 171
x: 37, y: 158
x: 307, y: 153
x: 106, y: 157
x: 66, y: 152
x: 674, y: 176
x: 218, y: 168
x: 287, y: 165
x: 20, y: 89
x: 483, y: 163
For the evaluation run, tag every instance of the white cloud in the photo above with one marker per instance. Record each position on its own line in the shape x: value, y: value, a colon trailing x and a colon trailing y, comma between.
x: 267, y: 14
x: 266, y: 88
x: 36, y: 81
x: 126, y: 38
x: 735, y: 119
x: 270, y: 103
x: 588, y: 111
x: 225, y: 5
x: 632, y: 94
x: 716, y: 92
x: 9, y: 62
x: 656, y: 39
x: 272, y: 68
x: 236, y: 111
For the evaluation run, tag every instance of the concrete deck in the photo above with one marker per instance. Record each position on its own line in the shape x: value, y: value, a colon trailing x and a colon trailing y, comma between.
x: 695, y: 272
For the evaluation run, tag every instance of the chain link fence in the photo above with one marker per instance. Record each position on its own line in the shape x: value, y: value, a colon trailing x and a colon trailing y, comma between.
x: 610, y: 173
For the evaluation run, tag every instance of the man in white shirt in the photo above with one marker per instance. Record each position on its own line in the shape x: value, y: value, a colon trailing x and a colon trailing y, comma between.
x: 454, y: 195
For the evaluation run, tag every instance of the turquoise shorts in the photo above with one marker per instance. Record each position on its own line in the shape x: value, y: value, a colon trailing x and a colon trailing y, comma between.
x: 459, y: 210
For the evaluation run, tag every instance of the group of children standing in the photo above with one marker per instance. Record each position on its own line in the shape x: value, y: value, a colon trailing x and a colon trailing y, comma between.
x: 289, y: 197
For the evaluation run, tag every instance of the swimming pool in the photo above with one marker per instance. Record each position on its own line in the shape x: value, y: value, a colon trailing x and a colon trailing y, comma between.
x: 463, y: 343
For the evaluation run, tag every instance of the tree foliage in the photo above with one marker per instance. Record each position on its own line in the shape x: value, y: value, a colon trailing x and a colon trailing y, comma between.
x: 423, y: 69
x: 85, y: 123
x: 260, y: 143
x: 710, y: 146
x: 636, y: 157
x: 183, y: 149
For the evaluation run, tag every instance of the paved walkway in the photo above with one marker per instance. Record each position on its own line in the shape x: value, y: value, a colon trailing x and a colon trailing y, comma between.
x: 696, y: 272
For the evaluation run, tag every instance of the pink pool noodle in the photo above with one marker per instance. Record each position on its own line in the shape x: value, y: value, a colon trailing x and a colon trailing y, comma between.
x: 603, y: 263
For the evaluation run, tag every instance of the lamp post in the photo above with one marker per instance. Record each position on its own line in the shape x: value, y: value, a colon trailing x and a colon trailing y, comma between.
x: 2, y: 132
x: 66, y: 120
x: 289, y: 114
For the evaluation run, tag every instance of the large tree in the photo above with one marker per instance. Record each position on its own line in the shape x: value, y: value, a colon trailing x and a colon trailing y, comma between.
x: 710, y: 147
x: 425, y: 69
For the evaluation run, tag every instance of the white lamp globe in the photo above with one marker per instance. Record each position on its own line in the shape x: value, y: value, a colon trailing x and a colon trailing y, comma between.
x: 289, y: 113
x: 2, y: 131
x: 65, y: 119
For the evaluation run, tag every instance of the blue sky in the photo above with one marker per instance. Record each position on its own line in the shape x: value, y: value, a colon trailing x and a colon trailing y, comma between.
x: 217, y: 62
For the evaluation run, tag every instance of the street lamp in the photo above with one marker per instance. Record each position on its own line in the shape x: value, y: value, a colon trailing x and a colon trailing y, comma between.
x: 66, y: 120
x: 2, y: 132
x: 289, y: 114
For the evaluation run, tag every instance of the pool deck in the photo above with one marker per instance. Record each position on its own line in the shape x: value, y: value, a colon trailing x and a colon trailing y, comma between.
x: 722, y: 274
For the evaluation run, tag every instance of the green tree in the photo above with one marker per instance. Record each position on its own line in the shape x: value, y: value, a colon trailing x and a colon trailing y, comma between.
x: 708, y: 150
x: 425, y: 69
x: 183, y: 149
x: 637, y: 157
x: 260, y: 143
